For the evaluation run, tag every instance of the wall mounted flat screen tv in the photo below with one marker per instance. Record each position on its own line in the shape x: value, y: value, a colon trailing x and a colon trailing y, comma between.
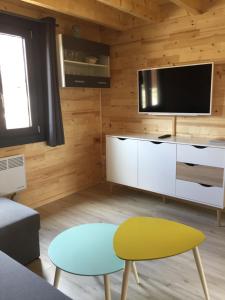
x: 182, y: 90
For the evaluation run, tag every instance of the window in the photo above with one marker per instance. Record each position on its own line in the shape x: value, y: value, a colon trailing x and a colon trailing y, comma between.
x: 21, y: 86
x: 14, y: 82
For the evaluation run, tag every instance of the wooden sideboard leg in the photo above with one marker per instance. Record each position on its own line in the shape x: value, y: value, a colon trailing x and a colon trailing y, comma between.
x: 164, y: 199
x: 111, y: 187
x: 12, y: 197
x: 219, y: 215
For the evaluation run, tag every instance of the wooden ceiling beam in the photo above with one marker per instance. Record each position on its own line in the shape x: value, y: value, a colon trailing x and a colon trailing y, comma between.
x: 147, y: 10
x: 194, y: 7
x: 89, y: 10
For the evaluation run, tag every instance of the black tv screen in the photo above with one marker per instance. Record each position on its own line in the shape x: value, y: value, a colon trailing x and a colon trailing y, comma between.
x: 176, y: 90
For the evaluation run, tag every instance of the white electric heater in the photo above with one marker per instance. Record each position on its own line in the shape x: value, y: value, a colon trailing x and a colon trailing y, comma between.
x: 12, y: 174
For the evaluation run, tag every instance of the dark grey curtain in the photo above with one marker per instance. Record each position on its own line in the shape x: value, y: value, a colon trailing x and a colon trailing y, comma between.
x: 54, y: 123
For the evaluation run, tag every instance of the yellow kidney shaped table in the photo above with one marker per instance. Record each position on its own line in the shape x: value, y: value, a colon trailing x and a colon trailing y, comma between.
x: 145, y: 238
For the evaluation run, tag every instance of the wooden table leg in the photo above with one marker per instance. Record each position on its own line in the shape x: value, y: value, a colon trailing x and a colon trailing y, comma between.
x: 107, y: 287
x: 134, y: 269
x: 128, y: 265
x: 201, y: 272
x: 56, y: 278
x: 164, y: 199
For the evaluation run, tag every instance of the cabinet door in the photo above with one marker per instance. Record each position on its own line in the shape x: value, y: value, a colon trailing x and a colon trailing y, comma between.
x: 121, y: 161
x: 157, y: 167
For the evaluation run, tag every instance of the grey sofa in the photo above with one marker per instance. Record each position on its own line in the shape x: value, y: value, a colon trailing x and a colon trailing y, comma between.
x: 19, y: 283
x: 19, y: 231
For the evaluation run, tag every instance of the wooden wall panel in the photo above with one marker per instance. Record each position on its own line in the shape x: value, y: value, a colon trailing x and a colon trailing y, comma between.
x: 180, y: 39
x: 53, y: 173
x: 56, y: 172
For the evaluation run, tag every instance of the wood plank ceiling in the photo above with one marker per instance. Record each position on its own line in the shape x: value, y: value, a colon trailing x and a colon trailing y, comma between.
x: 118, y: 14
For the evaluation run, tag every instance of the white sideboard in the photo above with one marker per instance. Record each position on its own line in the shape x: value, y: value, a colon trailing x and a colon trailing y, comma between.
x: 190, y: 169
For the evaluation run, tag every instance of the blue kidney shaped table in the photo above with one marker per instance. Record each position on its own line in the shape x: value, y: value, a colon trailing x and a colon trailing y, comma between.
x: 86, y: 250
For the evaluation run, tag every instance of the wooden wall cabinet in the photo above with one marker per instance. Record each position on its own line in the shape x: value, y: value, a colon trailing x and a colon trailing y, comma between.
x: 83, y: 63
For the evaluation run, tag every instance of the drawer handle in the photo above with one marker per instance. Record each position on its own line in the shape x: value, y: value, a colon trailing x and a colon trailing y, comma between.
x: 79, y: 81
x: 190, y: 165
x: 205, y: 185
x: 199, y: 147
x: 122, y: 139
x: 156, y: 143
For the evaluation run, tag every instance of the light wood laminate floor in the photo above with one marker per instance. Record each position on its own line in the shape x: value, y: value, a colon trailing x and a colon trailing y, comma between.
x: 172, y: 278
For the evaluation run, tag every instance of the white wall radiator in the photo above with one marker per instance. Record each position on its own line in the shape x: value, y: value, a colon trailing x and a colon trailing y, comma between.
x: 12, y: 174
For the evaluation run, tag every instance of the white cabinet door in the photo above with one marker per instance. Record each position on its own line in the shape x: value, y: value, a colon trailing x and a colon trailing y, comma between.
x: 121, y: 161
x: 157, y: 167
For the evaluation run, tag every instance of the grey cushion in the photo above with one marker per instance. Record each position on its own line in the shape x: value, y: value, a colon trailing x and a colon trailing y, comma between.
x: 19, y: 231
x: 12, y: 212
x: 19, y: 283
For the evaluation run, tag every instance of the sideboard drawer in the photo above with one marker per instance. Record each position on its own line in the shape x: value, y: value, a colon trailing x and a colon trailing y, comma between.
x: 200, y: 174
x: 207, y: 156
x: 209, y: 195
